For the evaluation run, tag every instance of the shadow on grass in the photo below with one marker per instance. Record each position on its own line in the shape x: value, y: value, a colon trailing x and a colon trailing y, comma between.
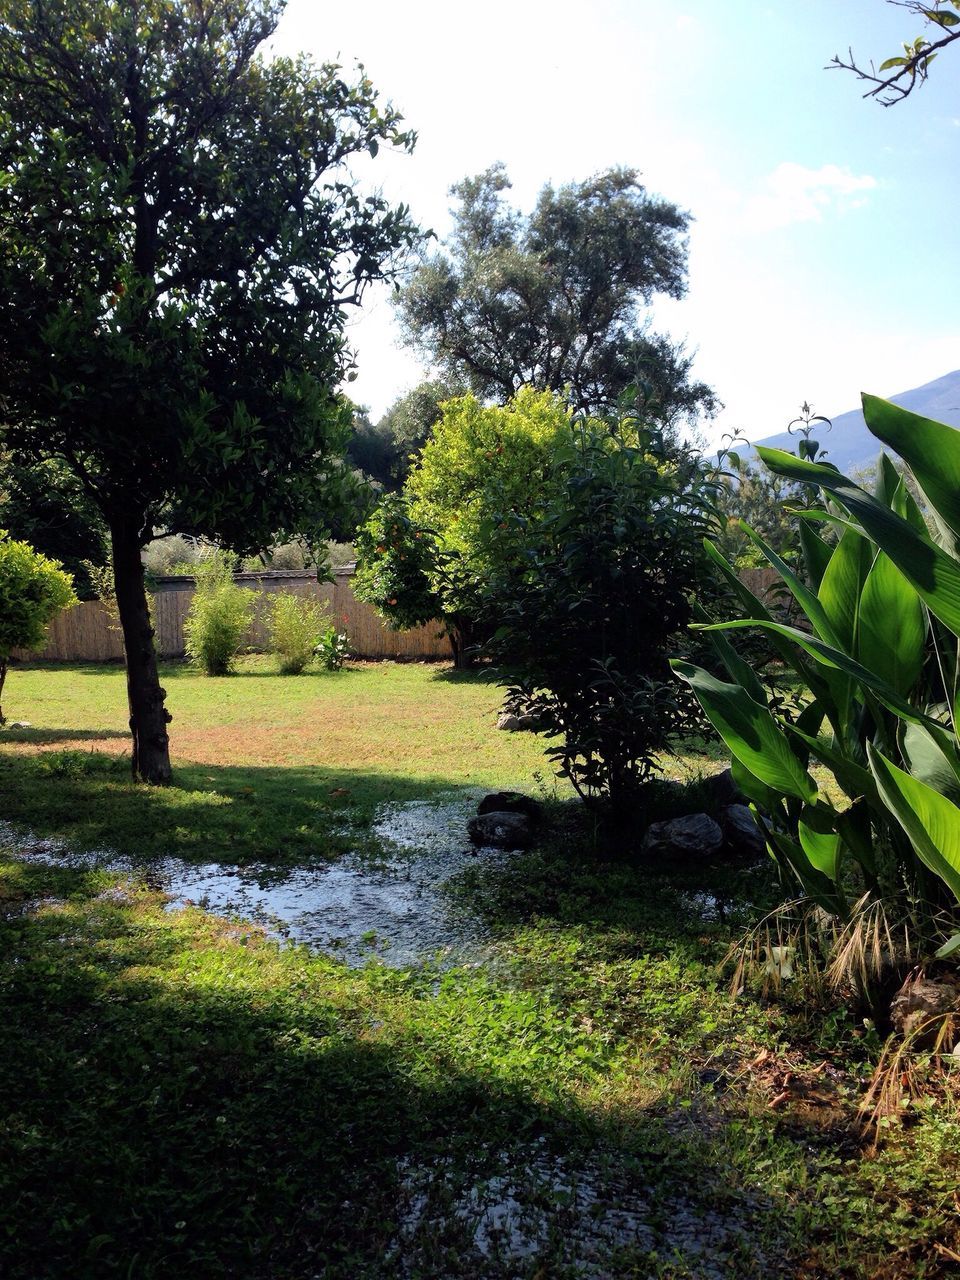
x: 47, y: 737
x: 191, y: 1104
x: 286, y: 815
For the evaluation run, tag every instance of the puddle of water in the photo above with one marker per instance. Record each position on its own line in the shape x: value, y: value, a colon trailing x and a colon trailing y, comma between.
x: 531, y: 1198
x: 396, y: 910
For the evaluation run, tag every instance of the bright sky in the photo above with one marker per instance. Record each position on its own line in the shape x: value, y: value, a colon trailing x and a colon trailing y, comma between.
x: 823, y: 256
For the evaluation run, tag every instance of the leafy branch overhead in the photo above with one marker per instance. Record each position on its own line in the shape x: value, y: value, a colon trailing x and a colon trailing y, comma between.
x: 897, y: 76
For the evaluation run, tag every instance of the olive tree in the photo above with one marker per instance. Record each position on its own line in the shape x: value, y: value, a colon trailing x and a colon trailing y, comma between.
x: 179, y: 237
x: 557, y: 299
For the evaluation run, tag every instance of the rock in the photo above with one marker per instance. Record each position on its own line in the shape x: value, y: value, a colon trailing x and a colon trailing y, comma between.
x: 741, y: 834
x: 696, y: 836
x: 507, y: 720
x: 510, y: 802
x: 515, y: 723
x: 921, y: 1000
x: 720, y: 790
x: 501, y: 830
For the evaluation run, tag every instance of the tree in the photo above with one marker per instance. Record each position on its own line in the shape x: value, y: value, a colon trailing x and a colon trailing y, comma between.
x: 411, y: 418
x: 178, y: 239
x: 45, y: 506
x: 33, y: 590
x: 552, y: 299
x: 432, y: 551
x: 898, y: 76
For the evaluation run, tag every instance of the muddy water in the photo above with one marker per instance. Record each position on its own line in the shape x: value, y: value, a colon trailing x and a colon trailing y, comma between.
x: 396, y: 909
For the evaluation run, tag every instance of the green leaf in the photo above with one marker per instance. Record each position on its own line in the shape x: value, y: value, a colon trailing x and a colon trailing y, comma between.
x: 893, y: 62
x: 931, y: 756
x: 750, y: 732
x: 816, y: 553
x: 950, y: 947
x: 829, y: 656
x: 931, y: 450
x: 933, y: 574
x: 807, y: 600
x: 842, y: 584
x: 931, y: 821
x: 892, y: 632
x: 819, y: 840
x: 853, y: 778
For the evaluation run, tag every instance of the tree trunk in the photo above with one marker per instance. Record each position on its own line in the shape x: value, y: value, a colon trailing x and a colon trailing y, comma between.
x: 148, y: 717
x: 464, y: 657
x: 3, y: 676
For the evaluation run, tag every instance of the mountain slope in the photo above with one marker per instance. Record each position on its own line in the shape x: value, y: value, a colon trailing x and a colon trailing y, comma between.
x: 851, y: 447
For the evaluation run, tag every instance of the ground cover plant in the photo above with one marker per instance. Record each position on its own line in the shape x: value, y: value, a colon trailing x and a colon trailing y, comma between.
x: 185, y: 1097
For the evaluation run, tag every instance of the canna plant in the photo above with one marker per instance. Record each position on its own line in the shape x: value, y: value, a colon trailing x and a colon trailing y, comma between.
x: 876, y: 659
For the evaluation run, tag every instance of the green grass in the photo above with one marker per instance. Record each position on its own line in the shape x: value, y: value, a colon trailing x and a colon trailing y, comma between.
x: 182, y: 1097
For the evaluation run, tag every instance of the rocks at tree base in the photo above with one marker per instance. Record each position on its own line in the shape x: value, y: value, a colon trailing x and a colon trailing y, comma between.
x: 696, y: 835
x: 741, y: 834
x: 922, y: 1000
x: 510, y: 802
x: 501, y: 830
x: 517, y: 723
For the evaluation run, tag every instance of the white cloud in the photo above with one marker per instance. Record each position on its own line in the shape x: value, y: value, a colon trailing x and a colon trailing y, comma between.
x: 794, y: 193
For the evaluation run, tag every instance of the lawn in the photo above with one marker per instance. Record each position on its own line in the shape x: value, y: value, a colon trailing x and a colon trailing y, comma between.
x: 184, y: 1097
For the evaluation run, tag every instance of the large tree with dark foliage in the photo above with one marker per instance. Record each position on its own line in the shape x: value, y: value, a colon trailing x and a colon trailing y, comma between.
x: 179, y: 236
x: 557, y: 299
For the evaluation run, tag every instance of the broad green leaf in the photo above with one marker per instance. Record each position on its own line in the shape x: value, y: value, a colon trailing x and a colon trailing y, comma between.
x: 950, y: 947
x: 765, y: 797
x: 815, y: 884
x: 931, y: 450
x: 856, y: 831
x: 931, y: 756
x: 831, y: 657
x: 753, y: 607
x: 806, y: 598
x: 739, y: 671
x: 750, y: 732
x: 853, y: 778
x: 930, y: 820
x: 842, y: 584
x: 819, y: 840
x: 933, y: 574
x: 892, y: 632
x: 816, y: 553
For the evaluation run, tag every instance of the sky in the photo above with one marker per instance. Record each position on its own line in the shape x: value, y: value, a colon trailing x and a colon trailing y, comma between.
x: 822, y: 256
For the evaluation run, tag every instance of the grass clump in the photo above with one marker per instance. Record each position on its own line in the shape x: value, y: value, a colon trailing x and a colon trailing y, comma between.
x: 295, y: 625
x: 220, y: 615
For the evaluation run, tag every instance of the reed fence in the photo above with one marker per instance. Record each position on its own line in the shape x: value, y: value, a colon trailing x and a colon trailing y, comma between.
x: 86, y: 632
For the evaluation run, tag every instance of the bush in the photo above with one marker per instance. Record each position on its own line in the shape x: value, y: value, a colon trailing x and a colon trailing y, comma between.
x: 599, y: 598
x: 332, y: 648
x: 432, y: 551
x: 294, y: 625
x: 33, y: 589
x: 219, y: 616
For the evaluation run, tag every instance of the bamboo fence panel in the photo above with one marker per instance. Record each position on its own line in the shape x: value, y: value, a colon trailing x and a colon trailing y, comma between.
x: 84, y: 634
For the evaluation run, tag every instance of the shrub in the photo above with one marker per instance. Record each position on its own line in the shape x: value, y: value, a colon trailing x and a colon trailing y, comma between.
x: 219, y: 616
x: 599, y: 597
x: 332, y: 648
x: 33, y: 589
x: 432, y: 551
x: 294, y: 624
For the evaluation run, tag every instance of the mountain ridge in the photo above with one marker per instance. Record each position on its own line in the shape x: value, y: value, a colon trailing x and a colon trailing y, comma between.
x: 849, y: 444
